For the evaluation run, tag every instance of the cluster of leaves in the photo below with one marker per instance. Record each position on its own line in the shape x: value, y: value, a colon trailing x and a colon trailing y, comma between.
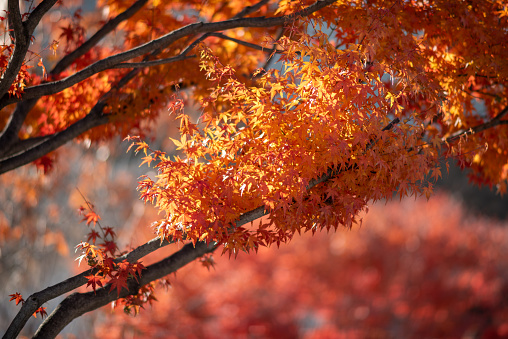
x: 416, y: 269
x: 100, y: 251
x: 18, y: 298
x: 264, y: 145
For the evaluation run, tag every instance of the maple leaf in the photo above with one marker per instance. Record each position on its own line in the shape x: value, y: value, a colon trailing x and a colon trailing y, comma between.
x: 208, y: 262
x: 93, y: 235
x: 67, y: 33
x: 109, y: 246
x: 118, y: 282
x: 94, y: 280
x: 148, y: 160
x: 40, y: 63
x: 91, y: 217
x: 41, y: 311
x: 108, y: 231
x: 17, y: 297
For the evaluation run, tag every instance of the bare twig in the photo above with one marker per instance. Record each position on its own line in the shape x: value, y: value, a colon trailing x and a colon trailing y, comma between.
x: 245, y: 43
x: 154, y: 62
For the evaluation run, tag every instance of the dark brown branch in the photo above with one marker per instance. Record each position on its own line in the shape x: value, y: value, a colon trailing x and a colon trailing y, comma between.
x: 9, y: 135
x: 23, y: 145
x: 35, y: 17
x: 157, y: 44
x: 93, y: 119
x: 245, y: 43
x: 38, y: 299
x: 480, y: 128
x: 77, y: 304
x: 21, y: 43
x: 101, y: 33
x: 154, y: 62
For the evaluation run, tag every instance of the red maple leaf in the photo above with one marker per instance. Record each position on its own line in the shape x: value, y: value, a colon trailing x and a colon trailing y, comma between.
x: 94, y: 280
x: 41, y: 311
x: 18, y: 297
x: 118, y: 282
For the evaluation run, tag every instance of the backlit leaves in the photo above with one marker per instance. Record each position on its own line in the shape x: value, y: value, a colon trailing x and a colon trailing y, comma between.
x: 326, y: 109
x: 268, y: 144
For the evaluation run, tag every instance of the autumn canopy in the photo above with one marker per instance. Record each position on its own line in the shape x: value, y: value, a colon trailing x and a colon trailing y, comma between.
x: 308, y: 112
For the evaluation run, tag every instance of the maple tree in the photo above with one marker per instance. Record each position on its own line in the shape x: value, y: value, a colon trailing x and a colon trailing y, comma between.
x: 363, y: 100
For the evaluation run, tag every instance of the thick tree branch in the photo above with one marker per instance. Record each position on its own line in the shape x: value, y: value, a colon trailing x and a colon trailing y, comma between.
x: 37, y: 299
x: 157, y: 44
x: 9, y: 135
x: 93, y: 119
x: 77, y: 304
x: 154, y: 62
x: 21, y: 43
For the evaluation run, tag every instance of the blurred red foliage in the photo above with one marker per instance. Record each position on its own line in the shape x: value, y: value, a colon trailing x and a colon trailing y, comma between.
x: 414, y: 269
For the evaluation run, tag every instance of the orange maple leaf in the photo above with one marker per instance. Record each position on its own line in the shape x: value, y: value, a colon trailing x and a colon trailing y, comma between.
x: 18, y: 297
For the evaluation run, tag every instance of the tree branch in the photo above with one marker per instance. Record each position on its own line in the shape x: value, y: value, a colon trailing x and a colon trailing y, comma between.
x: 160, y: 43
x: 35, y: 17
x: 250, y: 9
x: 154, y: 62
x: 77, y: 304
x: 21, y: 43
x: 93, y: 119
x: 101, y: 33
x: 245, y: 43
x: 37, y: 299
x: 480, y: 128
